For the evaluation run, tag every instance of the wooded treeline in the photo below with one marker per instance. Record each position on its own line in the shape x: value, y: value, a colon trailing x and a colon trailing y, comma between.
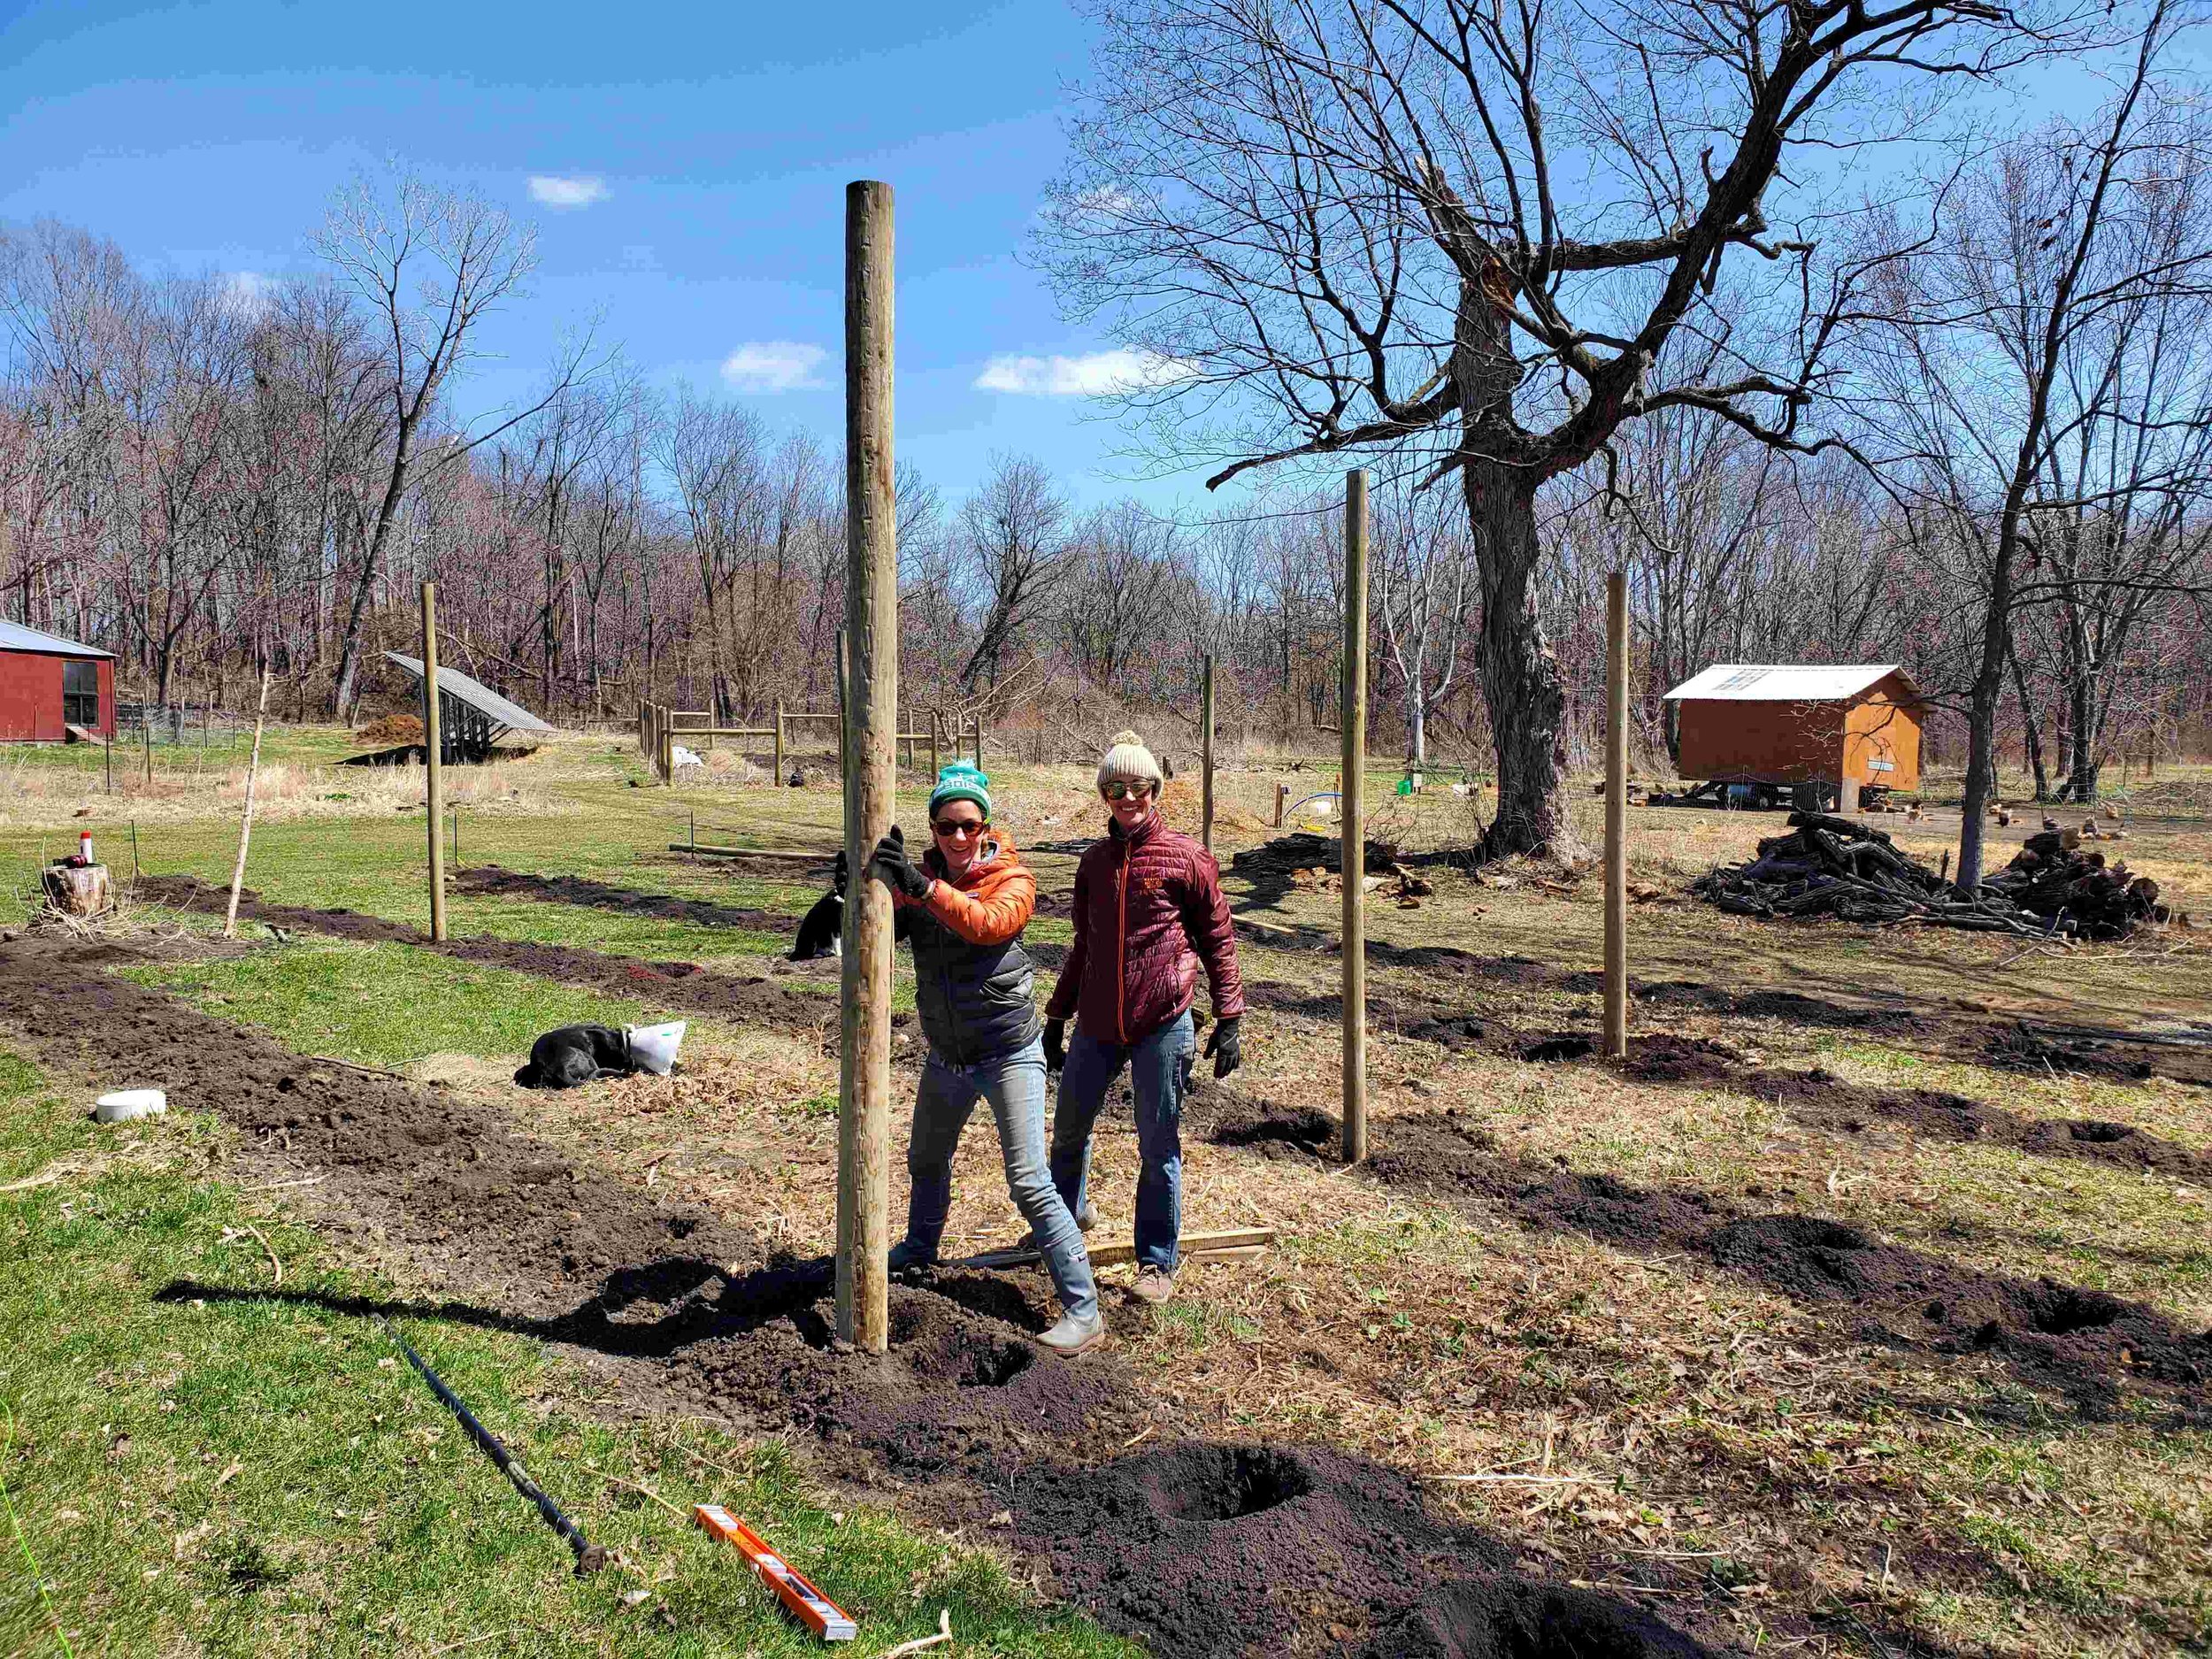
x: 200, y: 477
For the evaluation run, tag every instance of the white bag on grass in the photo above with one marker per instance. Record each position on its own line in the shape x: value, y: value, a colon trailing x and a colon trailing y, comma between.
x: 654, y: 1046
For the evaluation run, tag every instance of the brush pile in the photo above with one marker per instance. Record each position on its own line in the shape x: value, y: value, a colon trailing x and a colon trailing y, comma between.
x: 1832, y: 866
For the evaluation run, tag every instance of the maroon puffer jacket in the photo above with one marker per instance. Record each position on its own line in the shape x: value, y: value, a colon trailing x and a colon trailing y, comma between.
x: 1148, y: 909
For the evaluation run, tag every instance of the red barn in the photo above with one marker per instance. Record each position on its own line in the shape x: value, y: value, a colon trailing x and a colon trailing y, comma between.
x: 48, y: 685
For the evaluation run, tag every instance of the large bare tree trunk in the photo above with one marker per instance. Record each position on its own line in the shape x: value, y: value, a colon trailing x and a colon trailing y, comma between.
x: 1520, y: 676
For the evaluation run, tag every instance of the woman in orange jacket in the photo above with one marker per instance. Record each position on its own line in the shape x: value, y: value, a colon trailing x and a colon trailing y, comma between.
x: 962, y: 909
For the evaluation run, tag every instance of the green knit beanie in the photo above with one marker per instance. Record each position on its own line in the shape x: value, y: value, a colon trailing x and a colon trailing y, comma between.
x: 961, y: 782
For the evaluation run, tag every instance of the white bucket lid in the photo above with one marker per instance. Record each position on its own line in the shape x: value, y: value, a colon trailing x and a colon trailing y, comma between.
x: 125, y: 1105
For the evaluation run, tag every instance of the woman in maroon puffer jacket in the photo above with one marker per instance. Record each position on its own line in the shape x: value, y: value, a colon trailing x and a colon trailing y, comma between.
x: 1149, y: 913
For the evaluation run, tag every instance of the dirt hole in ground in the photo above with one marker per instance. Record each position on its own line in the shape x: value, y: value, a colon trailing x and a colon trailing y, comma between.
x: 1507, y: 1617
x: 1224, y: 1483
x: 2065, y: 1311
x: 1307, y: 1129
x: 2098, y: 1133
x: 1565, y: 1046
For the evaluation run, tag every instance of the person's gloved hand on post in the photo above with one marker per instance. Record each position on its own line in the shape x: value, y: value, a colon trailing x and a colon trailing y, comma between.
x: 1226, y: 1045
x: 1056, y: 1044
x: 890, y: 865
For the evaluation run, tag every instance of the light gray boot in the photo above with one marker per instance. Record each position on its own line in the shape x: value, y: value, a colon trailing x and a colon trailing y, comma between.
x: 1072, y: 1335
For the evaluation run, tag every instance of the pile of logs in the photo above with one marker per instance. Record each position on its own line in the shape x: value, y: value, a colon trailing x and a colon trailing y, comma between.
x: 1832, y: 866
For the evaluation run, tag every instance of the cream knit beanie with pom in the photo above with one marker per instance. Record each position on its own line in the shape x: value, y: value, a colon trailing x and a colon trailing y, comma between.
x: 1129, y: 760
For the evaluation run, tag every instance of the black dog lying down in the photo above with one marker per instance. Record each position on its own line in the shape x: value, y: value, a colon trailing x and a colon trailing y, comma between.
x: 576, y: 1055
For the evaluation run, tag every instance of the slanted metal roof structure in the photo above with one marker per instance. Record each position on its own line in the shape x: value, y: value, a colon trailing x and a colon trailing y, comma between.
x: 471, y: 716
x: 1783, y: 682
x: 15, y: 637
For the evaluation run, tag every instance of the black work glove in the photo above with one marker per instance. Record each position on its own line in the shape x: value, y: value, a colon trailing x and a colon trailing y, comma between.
x: 1225, y: 1047
x: 1056, y: 1044
x: 890, y: 865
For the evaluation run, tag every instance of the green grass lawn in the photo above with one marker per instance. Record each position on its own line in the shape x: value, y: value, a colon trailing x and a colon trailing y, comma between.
x: 268, y: 1477
x: 386, y: 1004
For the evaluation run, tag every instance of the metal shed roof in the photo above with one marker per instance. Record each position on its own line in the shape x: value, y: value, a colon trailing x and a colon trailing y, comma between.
x: 15, y: 637
x: 1783, y: 682
x: 483, y: 699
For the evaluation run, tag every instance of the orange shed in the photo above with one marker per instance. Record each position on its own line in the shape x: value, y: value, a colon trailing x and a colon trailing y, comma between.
x: 1771, y: 723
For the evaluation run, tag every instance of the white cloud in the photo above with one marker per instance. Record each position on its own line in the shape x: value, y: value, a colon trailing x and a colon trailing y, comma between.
x: 552, y: 189
x: 1098, y: 374
x: 773, y: 365
x: 246, y: 293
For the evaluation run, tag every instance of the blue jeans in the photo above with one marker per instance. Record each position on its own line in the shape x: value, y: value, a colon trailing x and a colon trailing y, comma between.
x: 1159, y: 1069
x: 1014, y: 1083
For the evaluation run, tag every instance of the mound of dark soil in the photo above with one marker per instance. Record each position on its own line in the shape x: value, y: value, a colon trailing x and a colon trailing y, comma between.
x: 2061, y: 1330
x: 1214, y: 1543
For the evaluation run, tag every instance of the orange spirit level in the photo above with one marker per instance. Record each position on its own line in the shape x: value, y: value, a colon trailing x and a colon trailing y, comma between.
x: 806, y: 1603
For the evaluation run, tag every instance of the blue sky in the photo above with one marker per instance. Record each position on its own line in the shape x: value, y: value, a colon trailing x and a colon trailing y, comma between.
x: 710, y: 145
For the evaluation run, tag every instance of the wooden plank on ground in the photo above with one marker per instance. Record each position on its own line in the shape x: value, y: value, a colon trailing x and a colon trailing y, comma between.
x: 1237, y: 1243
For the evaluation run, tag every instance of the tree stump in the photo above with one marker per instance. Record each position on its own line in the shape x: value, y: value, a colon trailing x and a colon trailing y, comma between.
x: 78, y: 889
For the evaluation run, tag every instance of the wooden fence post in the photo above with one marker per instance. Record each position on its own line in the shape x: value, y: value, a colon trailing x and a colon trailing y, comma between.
x: 433, y: 759
x: 978, y: 740
x: 1617, y: 815
x: 1206, y: 755
x: 778, y: 781
x: 1350, y: 793
x: 871, y: 626
x: 936, y: 758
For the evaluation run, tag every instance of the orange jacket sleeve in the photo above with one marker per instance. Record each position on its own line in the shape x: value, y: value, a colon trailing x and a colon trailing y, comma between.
x: 997, y: 911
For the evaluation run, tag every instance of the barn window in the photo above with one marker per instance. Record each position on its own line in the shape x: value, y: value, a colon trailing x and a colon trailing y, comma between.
x: 1741, y: 678
x: 80, y: 694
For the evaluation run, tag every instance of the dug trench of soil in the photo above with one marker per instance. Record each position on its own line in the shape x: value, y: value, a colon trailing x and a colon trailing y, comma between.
x: 1205, y: 1549
x: 2091, y: 1349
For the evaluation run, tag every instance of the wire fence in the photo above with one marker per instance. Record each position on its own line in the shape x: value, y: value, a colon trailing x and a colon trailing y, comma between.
x: 179, y: 724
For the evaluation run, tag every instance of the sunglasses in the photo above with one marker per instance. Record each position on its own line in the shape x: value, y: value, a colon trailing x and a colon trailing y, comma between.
x: 1127, y: 791
x: 957, y: 828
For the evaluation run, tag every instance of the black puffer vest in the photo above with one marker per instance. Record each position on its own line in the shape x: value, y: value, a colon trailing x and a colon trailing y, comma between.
x: 976, y: 1001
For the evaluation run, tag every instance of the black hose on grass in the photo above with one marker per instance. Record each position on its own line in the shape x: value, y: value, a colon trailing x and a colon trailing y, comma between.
x: 590, y: 1557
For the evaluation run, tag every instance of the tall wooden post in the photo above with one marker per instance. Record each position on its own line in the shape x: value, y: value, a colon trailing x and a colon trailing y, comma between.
x: 872, y: 634
x: 978, y: 740
x: 1351, y: 792
x: 936, y: 759
x: 779, y: 778
x: 1206, y: 755
x: 245, y: 823
x: 1617, y: 815
x: 434, y: 758
x: 844, y: 720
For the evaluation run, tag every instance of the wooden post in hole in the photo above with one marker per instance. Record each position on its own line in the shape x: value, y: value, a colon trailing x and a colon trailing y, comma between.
x: 245, y: 825
x: 1350, y: 792
x: 434, y: 758
x: 978, y: 740
x: 872, y: 635
x: 1282, y: 800
x: 777, y: 781
x: 1616, y: 814
x: 1206, y: 755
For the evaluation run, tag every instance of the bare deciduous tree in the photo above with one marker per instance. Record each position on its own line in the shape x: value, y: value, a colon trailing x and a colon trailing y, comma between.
x: 1468, y: 230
